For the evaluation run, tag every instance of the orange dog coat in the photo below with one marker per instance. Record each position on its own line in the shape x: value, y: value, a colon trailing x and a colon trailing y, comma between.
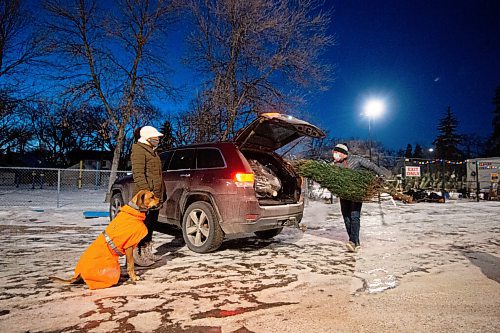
x: 98, y: 265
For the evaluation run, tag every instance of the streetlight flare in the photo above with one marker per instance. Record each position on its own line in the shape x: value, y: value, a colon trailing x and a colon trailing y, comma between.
x: 374, y: 108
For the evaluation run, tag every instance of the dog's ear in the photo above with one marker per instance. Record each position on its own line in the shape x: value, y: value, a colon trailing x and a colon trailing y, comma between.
x: 139, y: 198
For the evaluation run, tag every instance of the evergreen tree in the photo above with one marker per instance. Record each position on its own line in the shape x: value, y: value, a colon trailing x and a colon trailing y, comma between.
x: 447, y: 141
x: 495, y: 137
x: 408, y: 151
x: 167, y: 141
x: 418, y: 152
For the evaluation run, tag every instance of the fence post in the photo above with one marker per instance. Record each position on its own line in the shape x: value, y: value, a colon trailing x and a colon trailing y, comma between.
x: 403, y: 174
x: 97, y: 174
x: 443, y: 181
x: 58, y: 185
x: 478, y: 184
x: 80, y: 175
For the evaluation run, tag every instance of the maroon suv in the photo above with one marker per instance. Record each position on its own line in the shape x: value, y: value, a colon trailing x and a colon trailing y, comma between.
x: 223, y: 188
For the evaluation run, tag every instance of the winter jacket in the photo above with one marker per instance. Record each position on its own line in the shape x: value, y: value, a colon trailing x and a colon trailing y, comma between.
x: 98, y: 265
x: 147, y: 170
x: 356, y: 162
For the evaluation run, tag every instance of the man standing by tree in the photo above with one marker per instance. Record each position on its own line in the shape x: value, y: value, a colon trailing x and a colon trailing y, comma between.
x: 351, y: 210
x: 147, y: 173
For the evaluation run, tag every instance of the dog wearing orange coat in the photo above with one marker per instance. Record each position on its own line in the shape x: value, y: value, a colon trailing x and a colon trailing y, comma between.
x: 98, y: 266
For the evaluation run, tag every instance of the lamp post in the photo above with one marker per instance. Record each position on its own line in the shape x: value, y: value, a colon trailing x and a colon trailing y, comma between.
x: 430, y: 150
x: 373, y: 108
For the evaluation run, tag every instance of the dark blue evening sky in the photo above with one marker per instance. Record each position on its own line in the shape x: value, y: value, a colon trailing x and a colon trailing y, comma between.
x: 420, y: 56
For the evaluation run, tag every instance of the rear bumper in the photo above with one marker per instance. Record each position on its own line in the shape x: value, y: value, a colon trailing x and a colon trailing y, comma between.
x: 269, y: 217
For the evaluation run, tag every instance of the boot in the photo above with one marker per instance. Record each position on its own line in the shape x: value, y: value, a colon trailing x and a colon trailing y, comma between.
x: 351, y: 247
x: 141, y: 258
x: 148, y: 252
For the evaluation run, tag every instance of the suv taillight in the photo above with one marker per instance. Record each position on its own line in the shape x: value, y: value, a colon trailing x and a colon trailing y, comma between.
x: 242, y: 179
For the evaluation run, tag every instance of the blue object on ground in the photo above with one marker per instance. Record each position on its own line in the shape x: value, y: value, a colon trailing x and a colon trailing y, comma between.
x: 94, y: 214
x: 38, y: 210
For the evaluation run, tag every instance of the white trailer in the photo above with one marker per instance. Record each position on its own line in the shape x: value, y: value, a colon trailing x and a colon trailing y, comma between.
x: 485, y: 173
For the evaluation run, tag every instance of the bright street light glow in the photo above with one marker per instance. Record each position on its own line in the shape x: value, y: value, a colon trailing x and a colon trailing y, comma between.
x: 374, y: 108
x: 431, y: 150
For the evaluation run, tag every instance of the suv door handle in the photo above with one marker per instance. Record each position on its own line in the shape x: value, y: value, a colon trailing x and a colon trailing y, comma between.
x: 186, y: 175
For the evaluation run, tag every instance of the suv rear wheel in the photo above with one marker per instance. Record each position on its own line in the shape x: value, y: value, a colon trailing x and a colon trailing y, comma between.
x: 266, y: 234
x: 115, y: 204
x: 200, y: 228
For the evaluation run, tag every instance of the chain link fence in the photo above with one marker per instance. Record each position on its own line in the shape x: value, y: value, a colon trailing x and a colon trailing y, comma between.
x: 44, y: 187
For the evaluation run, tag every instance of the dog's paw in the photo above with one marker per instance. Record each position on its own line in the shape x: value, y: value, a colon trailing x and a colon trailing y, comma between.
x: 134, y: 278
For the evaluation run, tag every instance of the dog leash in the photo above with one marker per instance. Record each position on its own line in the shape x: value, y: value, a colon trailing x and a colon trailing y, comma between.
x: 112, y: 245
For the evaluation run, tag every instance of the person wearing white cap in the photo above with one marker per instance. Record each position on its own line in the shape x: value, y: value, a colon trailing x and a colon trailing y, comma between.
x: 351, y: 210
x: 147, y: 174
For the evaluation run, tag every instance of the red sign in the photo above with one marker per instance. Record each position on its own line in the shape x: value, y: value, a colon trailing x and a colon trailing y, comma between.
x: 412, y: 171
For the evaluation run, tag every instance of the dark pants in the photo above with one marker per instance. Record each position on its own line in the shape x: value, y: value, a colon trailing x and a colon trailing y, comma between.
x: 351, y: 212
x: 150, y: 222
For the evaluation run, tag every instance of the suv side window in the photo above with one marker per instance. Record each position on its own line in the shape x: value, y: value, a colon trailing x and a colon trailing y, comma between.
x: 165, y: 159
x: 208, y: 158
x: 183, y: 159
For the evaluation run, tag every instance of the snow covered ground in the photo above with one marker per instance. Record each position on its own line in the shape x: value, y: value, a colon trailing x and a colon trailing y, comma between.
x: 422, y: 267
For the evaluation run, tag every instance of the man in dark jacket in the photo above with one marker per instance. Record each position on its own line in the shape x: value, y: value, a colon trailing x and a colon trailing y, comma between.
x: 147, y: 174
x: 351, y: 210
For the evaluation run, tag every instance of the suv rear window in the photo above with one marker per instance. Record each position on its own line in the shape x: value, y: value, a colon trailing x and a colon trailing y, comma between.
x: 182, y: 159
x: 207, y: 158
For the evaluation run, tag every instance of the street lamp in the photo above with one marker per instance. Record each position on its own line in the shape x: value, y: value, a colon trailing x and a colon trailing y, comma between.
x: 373, y: 109
x: 429, y: 169
x: 430, y: 152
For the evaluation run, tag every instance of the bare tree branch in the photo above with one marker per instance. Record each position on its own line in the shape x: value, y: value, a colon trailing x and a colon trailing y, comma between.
x: 253, y: 51
x: 21, y: 44
x: 114, y: 49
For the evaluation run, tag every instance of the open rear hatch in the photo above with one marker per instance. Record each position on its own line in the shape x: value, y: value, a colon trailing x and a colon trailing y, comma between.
x: 275, y: 180
x: 271, y: 131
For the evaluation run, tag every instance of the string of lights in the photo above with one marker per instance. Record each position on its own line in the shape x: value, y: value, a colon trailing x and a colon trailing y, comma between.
x: 440, y: 161
x: 482, y: 165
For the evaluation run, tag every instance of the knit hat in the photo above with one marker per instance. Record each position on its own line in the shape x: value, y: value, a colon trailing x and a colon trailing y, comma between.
x: 341, y: 149
x: 148, y: 132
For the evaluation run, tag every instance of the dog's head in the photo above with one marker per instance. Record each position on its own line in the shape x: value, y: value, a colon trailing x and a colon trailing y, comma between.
x: 145, y: 200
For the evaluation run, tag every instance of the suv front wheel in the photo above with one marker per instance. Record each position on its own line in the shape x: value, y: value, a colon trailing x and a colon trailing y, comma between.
x: 200, y: 228
x: 115, y: 204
